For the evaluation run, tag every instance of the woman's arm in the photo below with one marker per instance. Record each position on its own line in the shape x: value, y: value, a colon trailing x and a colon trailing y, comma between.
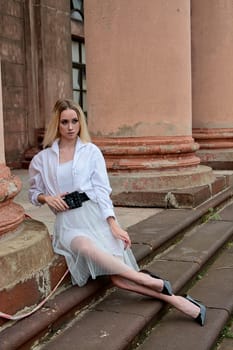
x: 55, y: 202
x: 118, y: 232
x: 37, y: 190
x: 100, y: 184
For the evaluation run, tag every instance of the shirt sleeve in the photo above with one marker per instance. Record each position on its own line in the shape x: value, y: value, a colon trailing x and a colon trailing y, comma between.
x: 101, y: 185
x: 35, y: 180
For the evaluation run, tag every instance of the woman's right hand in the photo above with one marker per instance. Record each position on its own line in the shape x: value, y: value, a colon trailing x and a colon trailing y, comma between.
x: 54, y: 202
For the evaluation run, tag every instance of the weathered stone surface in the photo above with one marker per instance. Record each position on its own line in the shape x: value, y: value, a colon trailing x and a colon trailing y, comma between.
x: 202, y: 242
x: 23, y: 252
x: 181, y: 332
x: 12, y: 8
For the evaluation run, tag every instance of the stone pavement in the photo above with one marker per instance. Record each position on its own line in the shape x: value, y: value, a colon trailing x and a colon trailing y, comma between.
x: 175, y: 245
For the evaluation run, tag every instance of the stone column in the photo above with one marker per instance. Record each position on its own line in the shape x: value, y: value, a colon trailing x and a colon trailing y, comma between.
x: 27, y: 261
x: 48, y: 65
x: 139, y: 96
x: 48, y: 41
x: 11, y: 214
x: 212, y: 77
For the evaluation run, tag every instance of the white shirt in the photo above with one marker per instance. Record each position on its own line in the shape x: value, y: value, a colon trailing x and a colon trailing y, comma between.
x: 64, y: 176
x: 89, y: 175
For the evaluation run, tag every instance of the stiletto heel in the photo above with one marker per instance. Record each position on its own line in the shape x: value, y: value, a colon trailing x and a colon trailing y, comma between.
x: 200, y: 319
x: 167, y: 288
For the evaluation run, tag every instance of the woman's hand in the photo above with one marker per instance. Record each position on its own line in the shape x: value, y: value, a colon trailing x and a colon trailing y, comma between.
x: 55, y: 202
x: 118, y: 232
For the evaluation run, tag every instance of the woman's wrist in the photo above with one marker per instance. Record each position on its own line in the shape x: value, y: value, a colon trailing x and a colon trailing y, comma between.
x: 41, y: 198
x: 111, y: 220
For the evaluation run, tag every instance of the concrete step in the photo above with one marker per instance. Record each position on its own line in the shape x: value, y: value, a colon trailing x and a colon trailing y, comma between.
x: 215, y: 289
x: 123, y: 320
x: 131, y: 316
x: 120, y: 312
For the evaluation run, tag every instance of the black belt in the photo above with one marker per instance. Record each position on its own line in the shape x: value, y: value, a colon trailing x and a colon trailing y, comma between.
x: 75, y: 199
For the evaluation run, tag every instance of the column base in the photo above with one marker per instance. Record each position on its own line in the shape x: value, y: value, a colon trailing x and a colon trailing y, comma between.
x: 11, y: 214
x: 29, y: 267
x: 215, y: 147
x: 174, y: 189
x: 217, y: 159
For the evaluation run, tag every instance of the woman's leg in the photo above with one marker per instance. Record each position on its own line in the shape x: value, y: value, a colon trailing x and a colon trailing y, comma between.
x: 126, y: 278
x: 179, y: 302
x: 114, y: 265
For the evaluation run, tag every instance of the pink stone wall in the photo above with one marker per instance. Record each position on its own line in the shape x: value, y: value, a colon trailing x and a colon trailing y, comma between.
x: 212, y: 57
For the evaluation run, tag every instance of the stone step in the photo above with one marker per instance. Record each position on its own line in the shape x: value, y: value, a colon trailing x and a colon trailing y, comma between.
x: 150, y: 236
x: 215, y: 289
x: 123, y: 318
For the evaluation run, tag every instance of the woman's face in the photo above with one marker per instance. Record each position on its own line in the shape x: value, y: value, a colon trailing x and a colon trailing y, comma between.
x: 69, y: 125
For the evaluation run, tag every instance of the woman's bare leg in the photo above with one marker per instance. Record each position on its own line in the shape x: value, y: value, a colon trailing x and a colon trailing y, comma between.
x: 85, y: 247
x: 178, y: 302
x: 126, y: 278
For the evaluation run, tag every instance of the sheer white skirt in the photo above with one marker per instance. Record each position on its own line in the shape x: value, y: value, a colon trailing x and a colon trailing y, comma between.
x: 87, y: 243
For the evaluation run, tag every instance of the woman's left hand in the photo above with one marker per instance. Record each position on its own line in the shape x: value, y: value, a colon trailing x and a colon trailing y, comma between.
x: 119, y: 233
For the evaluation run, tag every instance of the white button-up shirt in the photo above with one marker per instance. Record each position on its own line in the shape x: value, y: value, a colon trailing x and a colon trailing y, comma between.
x: 89, y: 175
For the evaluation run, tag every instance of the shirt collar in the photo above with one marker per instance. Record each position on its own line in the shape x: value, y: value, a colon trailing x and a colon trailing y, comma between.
x: 79, y: 144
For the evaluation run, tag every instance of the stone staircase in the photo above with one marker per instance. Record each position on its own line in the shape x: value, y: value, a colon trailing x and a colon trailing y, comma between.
x: 193, y: 248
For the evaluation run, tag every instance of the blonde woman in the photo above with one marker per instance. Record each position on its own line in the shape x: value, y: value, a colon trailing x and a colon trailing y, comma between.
x: 69, y: 175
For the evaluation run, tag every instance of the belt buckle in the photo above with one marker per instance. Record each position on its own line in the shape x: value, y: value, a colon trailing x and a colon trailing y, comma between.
x: 77, y: 199
x: 73, y: 200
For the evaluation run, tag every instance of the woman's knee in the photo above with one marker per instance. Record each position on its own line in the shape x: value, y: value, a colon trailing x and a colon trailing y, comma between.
x: 82, y: 246
x: 116, y: 280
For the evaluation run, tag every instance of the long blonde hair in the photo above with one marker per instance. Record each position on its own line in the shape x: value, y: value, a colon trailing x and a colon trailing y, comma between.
x: 52, y: 131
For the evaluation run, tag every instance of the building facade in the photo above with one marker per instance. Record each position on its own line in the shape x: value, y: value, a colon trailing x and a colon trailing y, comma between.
x: 154, y: 79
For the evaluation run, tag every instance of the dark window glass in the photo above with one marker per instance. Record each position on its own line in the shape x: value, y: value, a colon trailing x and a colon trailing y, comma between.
x: 77, y: 10
x: 79, y: 73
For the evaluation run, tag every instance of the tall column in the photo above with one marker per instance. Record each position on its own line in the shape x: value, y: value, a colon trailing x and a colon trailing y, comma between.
x: 48, y: 65
x: 212, y: 77
x: 139, y: 94
x: 27, y: 260
x: 48, y: 37
x: 11, y: 214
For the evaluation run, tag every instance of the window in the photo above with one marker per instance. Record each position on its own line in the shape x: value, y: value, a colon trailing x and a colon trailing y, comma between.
x: 77, y: 10
x: 78, y: 55
x: 79, y: 73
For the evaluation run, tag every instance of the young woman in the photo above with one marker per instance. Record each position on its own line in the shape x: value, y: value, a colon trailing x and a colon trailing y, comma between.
x: 89, y: 236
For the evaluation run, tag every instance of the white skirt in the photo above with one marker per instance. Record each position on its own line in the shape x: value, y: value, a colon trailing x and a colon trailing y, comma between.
x: 86, y: 241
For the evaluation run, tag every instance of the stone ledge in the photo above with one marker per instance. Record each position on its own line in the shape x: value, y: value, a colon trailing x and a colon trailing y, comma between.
x: 24, y: 251
x: 190, y: 197
x: 33, y: 289
x: 29, y: 267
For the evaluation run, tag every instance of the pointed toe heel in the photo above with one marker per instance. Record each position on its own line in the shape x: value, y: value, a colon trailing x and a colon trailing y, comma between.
x: 167, y: 288
x: 200, y: 319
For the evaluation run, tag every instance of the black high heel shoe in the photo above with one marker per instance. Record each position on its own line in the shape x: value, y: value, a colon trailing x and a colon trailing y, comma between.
x: 200, y: 319
x: 167, y: 288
